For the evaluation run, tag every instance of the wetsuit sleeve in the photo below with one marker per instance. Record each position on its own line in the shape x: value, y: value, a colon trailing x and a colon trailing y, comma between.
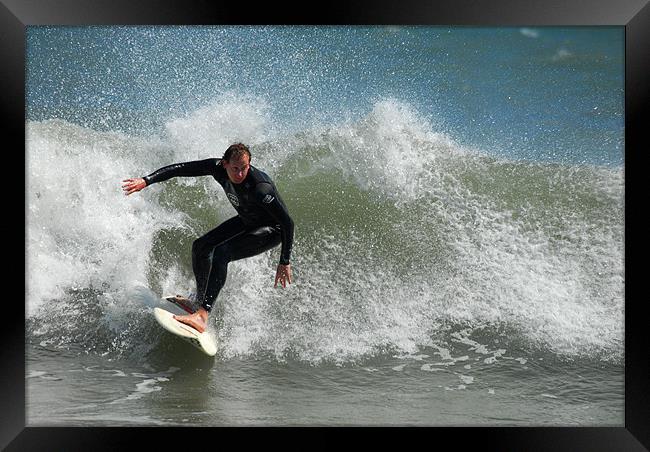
x: 267, y: 196
x: 187, y: 169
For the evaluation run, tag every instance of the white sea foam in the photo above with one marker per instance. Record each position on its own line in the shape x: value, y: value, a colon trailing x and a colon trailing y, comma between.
x: 390, y: 152
x: 529, y: 32
x: 82, y: 231
x: 208, y: 131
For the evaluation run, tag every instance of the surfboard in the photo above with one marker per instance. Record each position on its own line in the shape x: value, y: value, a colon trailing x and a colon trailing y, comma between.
x: 202, y: 341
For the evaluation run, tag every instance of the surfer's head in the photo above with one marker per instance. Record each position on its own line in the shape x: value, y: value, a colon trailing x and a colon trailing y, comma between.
x: 236, y: 160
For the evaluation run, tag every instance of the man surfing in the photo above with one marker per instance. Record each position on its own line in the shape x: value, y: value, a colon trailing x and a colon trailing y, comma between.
x: 262, y: 222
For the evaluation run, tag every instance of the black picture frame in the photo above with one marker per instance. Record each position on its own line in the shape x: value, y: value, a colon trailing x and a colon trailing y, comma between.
x: 633, y: 15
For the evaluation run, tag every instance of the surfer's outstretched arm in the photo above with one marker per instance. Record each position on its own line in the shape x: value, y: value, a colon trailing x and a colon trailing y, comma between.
x: 186, y: 169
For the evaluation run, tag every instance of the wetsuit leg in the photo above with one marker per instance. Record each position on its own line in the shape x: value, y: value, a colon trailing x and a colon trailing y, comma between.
x: 203, y: 247
x: 250, y: 243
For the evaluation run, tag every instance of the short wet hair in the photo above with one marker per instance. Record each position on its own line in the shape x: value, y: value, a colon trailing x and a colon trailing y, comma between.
x: 236, y: 150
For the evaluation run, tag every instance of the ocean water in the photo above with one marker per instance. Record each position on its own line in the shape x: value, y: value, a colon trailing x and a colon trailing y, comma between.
x: 458, y: 195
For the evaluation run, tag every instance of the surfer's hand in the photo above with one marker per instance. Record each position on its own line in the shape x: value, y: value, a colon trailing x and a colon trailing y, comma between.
x: 283, y: 275
x: 132, y: 185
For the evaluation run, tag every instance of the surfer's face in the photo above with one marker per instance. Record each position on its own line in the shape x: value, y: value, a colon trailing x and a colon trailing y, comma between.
x: 237, y: 168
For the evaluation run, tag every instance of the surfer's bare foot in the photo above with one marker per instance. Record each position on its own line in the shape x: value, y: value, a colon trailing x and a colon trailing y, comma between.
x: 198, y: 320
x: 184, y: 303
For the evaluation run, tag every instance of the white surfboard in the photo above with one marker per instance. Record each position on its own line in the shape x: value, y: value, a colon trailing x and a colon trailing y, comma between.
x: 202, y: 341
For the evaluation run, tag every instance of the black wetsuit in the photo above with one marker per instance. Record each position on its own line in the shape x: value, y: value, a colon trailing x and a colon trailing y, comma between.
x: 262, y: 223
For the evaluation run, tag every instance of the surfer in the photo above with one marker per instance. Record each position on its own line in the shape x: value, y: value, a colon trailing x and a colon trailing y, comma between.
x: 262, y: 222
